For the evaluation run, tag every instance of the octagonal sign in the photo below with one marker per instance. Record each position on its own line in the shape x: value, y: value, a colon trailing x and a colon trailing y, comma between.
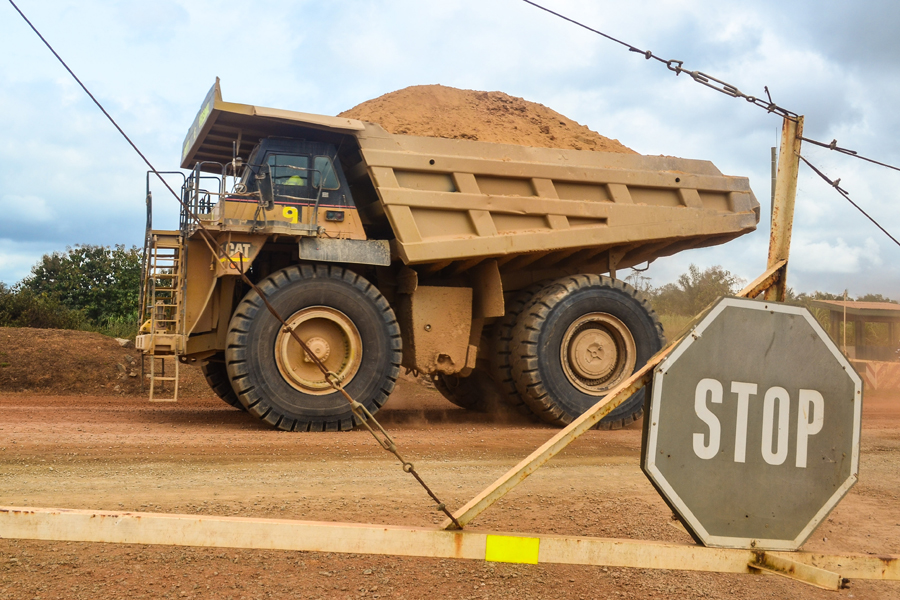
x: 752, y: 433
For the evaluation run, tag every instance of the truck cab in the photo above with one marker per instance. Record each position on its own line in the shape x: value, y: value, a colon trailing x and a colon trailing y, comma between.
x: 303, y: 173
x: 289, y: 186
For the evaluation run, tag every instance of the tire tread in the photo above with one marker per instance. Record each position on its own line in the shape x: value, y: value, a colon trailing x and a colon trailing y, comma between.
x: 524, y: 367
x: 239, y: 346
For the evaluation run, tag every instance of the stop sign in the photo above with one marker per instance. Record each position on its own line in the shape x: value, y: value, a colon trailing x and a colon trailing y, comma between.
x: 752, y: 433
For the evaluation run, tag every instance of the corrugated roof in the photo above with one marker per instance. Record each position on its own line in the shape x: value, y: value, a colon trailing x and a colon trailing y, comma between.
x: 868, y: 309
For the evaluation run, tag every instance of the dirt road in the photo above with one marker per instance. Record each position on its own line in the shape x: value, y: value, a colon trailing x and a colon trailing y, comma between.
x: 201, y: 456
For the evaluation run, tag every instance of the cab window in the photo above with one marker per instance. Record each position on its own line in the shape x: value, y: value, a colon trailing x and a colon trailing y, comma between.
x: 290, y: 174
x: 324, y: 170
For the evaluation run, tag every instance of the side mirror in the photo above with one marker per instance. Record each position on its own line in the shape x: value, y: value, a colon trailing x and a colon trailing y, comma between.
x: 265, y: 187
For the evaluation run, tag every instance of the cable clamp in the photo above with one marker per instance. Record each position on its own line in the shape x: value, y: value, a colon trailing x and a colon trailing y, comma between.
x: 675, y: 65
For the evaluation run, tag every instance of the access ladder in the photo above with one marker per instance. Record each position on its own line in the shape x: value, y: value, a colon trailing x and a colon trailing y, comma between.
x: 162, y: 313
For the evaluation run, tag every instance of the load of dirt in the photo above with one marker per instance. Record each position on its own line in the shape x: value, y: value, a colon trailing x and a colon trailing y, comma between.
x: 60, y: 361
x: 441, y: 111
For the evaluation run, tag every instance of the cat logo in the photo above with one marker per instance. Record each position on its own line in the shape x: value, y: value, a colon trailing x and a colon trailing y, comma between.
x: 236, y: 253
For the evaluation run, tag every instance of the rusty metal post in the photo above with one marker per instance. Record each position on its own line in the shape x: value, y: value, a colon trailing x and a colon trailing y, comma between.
x: 783, y: 204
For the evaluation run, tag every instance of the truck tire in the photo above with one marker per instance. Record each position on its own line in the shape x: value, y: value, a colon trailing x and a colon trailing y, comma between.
x: 343, y: 318
x: 213, y: 369
x: 501, y: 353
x: 477, y: 392
x: 579, y: 337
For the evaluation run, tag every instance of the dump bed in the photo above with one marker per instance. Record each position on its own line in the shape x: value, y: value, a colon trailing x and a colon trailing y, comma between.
x: 452, y: 200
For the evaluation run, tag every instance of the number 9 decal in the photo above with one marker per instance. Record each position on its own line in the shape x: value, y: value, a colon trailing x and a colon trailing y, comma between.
x: 290, y: 213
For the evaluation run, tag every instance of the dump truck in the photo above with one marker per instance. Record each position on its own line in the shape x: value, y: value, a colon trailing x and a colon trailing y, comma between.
x: 491, y: 269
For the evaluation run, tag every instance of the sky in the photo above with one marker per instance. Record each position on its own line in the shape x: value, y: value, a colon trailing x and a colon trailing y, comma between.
x: 69, y: 178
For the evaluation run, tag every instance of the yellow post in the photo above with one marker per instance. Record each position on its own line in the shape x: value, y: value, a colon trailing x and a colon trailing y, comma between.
x: 783, y: 205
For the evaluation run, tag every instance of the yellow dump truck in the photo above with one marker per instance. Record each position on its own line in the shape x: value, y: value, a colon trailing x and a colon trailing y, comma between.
x: 489, y: 267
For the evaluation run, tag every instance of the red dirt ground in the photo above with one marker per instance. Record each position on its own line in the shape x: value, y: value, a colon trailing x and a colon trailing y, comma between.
x: 202, y: 457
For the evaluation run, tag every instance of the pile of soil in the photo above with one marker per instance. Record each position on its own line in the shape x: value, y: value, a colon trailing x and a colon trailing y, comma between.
x: 441, y: 111
x: 58, y: 361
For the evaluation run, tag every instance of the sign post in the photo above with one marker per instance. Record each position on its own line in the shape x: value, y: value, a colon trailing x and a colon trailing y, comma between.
x: 752, y: 434
x: 783, y: 197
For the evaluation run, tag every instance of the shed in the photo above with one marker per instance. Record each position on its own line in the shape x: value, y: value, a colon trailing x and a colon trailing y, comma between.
x: 873, y: 328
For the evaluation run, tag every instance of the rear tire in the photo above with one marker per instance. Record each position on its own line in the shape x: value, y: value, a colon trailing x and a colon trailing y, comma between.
x: 578, y: 338
x: 501, y: 352
x: 477, y: 392
x: 213, y: 369
x: 344, y: 320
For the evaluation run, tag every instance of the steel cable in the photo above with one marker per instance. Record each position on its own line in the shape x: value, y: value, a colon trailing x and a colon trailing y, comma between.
x: 833, y: 146
x: 358, y: 409
x: 725, y: 88
x: 730, y: 90
x: 676, y: 67
x: 836, y: 185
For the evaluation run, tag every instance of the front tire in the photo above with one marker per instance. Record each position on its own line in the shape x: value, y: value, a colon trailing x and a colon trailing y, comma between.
x: 578, y: 338
x: 343, y: 319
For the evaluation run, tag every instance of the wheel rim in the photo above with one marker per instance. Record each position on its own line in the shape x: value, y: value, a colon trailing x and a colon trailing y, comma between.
x: 597, y: 353
x: 331, y: 336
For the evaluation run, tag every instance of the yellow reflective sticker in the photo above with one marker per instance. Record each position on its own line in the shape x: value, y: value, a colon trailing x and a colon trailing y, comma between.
x: 510, y: 549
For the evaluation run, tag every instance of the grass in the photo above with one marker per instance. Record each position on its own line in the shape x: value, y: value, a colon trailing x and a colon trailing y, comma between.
x: 117, y: 327
x: 674, y: 325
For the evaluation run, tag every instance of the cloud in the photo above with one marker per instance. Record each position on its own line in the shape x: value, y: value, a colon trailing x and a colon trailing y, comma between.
x: 16, y: 260
x: 151, y: 66
x: 21, y: 211
x: 822, y: 256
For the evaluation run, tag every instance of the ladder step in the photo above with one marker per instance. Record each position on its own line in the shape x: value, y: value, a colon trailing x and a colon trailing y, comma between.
x: 164, y: 284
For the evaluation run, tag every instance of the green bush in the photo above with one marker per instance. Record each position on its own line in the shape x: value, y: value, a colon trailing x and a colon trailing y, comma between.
x: 103, y: 282
x: 24, y: 308
x: 118, y: 327
x: 91, y: 288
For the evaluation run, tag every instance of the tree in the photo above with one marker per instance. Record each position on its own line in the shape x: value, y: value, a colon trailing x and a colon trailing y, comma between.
x: 102, y: 282
x: 875, y: 298
x: 694, y: 290
x: 639, y: 281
